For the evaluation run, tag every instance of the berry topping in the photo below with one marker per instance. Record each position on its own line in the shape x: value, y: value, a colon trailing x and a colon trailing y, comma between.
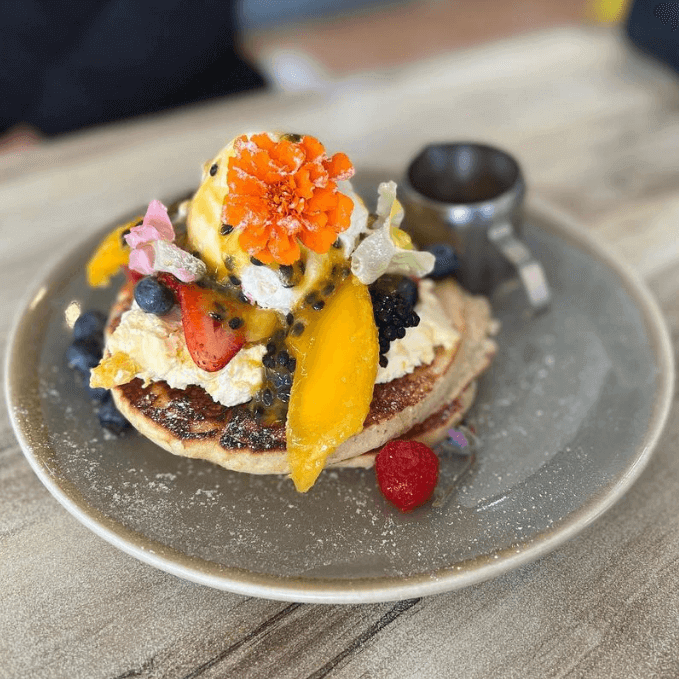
x: 111, y: 419
x: 393, y: 302
x: 211, y: 343
x: 407, y: 288
x: 90, y: 325
x: 446, y: 260
x: 96, y: 394
x: 82, y: 355
x: 153, y: 297
x: 132, y: 276
x: 407, y: 472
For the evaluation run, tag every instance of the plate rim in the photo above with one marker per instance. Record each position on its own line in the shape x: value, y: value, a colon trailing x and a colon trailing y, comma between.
x: 373, y: 589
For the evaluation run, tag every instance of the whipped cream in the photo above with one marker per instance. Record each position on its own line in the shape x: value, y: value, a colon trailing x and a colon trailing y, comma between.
x: 158, y: 345
x: 263, y: 286
x: 419, y: 344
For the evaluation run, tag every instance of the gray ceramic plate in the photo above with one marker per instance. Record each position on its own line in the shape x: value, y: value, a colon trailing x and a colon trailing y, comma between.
x: 568, y: 417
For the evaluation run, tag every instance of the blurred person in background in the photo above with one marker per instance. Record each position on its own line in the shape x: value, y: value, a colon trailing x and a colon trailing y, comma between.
x: 69, y: 64
x: 65, y: 65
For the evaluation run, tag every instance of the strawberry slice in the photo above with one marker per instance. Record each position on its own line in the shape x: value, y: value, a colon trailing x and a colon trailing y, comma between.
x: 211, y: 343
x: 169, y: 281
x: 132, y: 276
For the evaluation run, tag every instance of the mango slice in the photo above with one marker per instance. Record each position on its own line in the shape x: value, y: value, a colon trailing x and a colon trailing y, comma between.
x: 337, y: 358
x: 111, y: 254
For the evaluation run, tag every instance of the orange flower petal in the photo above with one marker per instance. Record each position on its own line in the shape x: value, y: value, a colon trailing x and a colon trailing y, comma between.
x: 318, y: 241
x: 251, y: 186
x: 340, y: 217
x: 288, y: 155
x: 255, y: 244
x: 323, y: 200
x: 312, y: 146
x: 317, y: 221
x: 284, y: 247
x: 305, y: 187
x: 263, y: 141
x: 339, y: 167
x: 282, y: 192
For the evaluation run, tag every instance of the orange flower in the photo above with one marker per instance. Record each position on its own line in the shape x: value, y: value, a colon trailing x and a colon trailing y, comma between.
x: 284, y: 191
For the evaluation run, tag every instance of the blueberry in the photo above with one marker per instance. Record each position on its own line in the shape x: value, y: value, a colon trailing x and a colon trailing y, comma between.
x: 407, y: 288
x: 111, y: 419
x: 89, y: 325
x: 446, y: 260
x: 82, y: 355
x: 153, y: 297
x: 96, y: 394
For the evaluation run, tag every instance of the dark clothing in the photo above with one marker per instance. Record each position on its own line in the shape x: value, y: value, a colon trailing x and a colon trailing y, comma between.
x: 66, y: 65
x: 652, y: 26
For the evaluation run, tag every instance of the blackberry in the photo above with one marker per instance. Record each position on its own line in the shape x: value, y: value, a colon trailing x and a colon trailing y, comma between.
x: 393, y: 298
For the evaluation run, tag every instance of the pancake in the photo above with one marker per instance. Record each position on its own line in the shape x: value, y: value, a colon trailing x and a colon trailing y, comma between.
x: 420, y: 405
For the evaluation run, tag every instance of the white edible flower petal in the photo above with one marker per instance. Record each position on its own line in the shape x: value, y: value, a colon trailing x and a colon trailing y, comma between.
x: 411, y: 263
x: 378, y: 254
x: 389, y: 209
x: 178, y: 262
x: 262, y: 285
x: 372, y: 256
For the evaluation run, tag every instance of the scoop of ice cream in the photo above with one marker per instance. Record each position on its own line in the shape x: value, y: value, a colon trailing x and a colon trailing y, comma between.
x: 204, y: 218
x: 219, y: 243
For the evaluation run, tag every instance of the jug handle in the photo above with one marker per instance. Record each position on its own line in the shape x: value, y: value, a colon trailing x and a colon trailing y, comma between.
x: 530, y: 271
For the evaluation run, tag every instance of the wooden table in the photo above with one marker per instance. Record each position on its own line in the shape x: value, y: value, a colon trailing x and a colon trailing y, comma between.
x: 596, y: 127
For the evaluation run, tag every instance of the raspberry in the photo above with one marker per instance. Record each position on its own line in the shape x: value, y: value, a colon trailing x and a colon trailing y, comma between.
x: 407, y: 472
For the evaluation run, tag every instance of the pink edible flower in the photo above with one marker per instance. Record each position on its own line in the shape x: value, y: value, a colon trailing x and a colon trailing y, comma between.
x: 142, y: 259
x: 156, y: 226
x: 153, y: 249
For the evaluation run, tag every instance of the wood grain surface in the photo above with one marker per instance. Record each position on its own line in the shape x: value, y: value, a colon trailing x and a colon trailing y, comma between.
x: 596, y: 127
